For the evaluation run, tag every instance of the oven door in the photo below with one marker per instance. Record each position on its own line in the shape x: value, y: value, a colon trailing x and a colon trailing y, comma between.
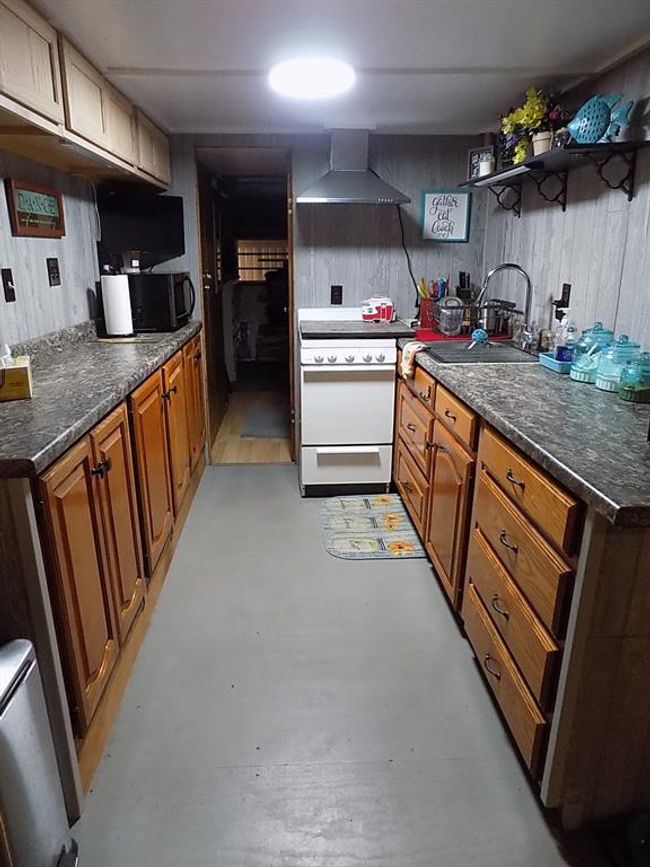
x: 347, y: 404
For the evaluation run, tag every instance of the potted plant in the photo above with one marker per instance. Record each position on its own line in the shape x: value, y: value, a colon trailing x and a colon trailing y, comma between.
x: 534, y: 122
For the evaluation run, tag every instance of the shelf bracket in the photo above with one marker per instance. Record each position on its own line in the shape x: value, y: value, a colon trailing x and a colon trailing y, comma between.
x: 560, y: 186
x: 626, y: 183
x: 512, y: 203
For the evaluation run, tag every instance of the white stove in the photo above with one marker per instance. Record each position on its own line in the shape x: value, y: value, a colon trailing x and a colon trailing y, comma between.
x: 347, y: 398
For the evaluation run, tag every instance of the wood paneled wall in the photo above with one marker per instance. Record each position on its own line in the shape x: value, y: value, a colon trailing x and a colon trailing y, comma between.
x: 40, y: 308
x: 601, y: 245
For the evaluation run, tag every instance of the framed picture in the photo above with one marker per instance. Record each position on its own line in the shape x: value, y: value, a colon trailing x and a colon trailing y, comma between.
x: 445, y: 215
x: 34, y: 211
x: 474, y: 158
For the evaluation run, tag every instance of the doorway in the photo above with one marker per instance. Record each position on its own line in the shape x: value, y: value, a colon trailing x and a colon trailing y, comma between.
x: 244, y: 203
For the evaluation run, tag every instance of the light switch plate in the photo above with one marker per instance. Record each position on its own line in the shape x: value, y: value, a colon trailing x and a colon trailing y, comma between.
x: 53, y: 273
x: 336, y: 294
x: 8, y: 285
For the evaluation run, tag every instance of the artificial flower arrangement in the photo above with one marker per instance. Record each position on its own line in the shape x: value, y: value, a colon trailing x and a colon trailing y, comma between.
x: 540, y: 113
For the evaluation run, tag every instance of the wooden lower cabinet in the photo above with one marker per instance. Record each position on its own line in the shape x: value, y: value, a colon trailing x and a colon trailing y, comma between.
x: 175, y: 395
x: 152, y: 463
x: 450, y: 487
x: 79, y: 577
x: 192, y: 355
x: 111, y: 444
x: 412, y: 486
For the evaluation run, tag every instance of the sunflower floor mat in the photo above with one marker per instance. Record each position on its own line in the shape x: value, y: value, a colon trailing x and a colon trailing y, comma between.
x: 375, y: 527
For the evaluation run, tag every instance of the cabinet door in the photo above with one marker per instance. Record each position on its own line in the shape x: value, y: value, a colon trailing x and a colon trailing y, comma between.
x: 29, y: 60
x: 111, y: 444
x: 175, y: 396
x: 84, y: 88
x: 195, y: 409
x: 449, y: 499
x: 153, y: 149
x: 120, y: 122
x: 78, y: 570
x: 147, y: 412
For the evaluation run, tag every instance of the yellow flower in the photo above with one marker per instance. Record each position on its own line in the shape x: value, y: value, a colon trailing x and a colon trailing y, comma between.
x: 382, y: 500
x: 400, y: 548
x: 393, y: 520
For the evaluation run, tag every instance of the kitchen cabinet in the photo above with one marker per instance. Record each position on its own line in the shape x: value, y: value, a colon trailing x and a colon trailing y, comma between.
x: 79, y: 577
x: 121, y: 126
x: 412, y: 486
x: 29, y: 60
x: 177, y: 425
x: 450, y: 487
x: 112, y: 453
x: 192, y: 355
x: 153, y: 149
x: 152, y: 464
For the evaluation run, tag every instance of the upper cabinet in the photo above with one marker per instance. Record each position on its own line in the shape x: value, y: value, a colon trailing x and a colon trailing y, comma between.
x: 29, y: 60
x: 153, y: 150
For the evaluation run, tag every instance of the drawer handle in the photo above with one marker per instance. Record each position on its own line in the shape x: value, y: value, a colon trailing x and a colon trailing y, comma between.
x: 429, y: 445
x: 486, y: 660
x: 411, y: 427
x: 408, y: 486
x: 450, y: 416
x: 514, y: 481
x: 503, y: 538
x: 167, y: 395
x: 197, y: 355
x: 498, y: 608
x: 102, y: 468
x: 425, y: 395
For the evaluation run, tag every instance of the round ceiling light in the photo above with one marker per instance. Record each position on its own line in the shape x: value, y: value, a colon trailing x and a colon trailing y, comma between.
x: 311, y: 77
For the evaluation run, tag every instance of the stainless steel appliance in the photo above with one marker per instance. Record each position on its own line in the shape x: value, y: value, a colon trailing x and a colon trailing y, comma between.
x: 161, y: 302
x: 33, y: 823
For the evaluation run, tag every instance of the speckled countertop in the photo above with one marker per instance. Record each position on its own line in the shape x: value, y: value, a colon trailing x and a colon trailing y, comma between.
x: 592, y: 442
x: 75, y: 385
x: 329, y: 328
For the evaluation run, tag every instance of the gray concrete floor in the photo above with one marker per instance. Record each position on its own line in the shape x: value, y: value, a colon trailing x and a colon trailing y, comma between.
x: 289, y: 709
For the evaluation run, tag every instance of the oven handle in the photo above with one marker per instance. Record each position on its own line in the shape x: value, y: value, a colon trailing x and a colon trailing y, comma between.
x: 348, y: 368
x: 347, y: 450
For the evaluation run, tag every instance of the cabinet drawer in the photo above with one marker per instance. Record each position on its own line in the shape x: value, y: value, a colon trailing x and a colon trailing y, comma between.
x: 456, y: 416
x: 414, y: 428
x: 554, y: 511
x: 538, y: 571
x: 412, y: 486
x: 532, y: 648
x: 525, y: 720
x: 423, y: 387
x: 345, y: 465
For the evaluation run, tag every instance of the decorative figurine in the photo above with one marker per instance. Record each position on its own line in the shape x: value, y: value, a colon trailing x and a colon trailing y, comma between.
x: 598, y: 121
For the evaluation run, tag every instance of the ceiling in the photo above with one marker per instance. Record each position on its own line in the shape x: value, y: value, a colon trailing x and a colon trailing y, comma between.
x: 435, y: 66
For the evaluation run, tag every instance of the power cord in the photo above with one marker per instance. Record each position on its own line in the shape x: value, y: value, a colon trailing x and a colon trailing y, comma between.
x: 408, y: 255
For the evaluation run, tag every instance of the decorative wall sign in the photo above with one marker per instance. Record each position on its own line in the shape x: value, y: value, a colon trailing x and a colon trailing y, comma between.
x: 445, y: 215
x: 34, y: 211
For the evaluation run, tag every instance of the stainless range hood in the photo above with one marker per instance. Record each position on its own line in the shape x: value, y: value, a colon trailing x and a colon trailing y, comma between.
x: 349, y: 180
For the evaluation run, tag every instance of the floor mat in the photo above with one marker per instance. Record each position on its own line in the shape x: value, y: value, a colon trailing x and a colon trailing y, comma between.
x: 266, y: 420
x: 375, y: 527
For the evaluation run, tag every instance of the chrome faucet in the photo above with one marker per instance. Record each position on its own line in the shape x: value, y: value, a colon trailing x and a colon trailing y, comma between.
x: 526, y: 332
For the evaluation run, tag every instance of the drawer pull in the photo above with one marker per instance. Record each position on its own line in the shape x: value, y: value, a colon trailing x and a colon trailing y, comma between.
x: 486, y: 661
x: 429, y: 445
x: 410, y: 426
x: 503, y: 538
x: 425, y: 395
x: 498, y: 608
x: 450, y: 416
x: 513, y: 481
x: 408, y: 486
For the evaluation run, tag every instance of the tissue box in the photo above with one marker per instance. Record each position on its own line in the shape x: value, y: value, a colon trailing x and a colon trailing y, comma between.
x: 16, y: 381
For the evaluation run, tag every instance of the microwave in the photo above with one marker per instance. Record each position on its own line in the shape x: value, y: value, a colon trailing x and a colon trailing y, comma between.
x: 161, y: 302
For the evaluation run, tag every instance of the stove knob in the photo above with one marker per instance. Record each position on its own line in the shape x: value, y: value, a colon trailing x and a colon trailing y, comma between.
x: 381, y: 357
x: 331, y: 358
x: 319, y: 359
x: 349, y: 358
x: 367, y: 358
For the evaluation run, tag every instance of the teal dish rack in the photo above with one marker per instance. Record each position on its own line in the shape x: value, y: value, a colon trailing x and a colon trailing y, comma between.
x: 548, y: 359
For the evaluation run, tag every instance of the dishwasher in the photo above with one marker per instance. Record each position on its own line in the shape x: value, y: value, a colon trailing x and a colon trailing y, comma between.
x: 34, y: 828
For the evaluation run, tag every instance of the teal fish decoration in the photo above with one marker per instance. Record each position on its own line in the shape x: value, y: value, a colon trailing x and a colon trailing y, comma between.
x: 598, y: 120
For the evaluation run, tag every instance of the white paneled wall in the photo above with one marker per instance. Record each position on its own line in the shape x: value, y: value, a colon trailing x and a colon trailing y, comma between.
x: 40, y: 308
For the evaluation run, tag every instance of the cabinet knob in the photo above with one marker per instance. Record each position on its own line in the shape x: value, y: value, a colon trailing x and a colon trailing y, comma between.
x: 167, y: 395
x: 349, y: 358
x: 319, y: 359
x: 331, y: 358
x: 102, y: 468
x: 367, y: 358
x: 503, y: 538
x: 425, y: 395
x: 197, y: 355
x: 381, y: 357
x: 410, y: 426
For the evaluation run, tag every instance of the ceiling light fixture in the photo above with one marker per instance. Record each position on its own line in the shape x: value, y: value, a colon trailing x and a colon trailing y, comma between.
x: 311, y: 77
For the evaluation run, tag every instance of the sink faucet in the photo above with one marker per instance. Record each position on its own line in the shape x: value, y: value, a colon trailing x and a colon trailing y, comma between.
x: 527, y: 336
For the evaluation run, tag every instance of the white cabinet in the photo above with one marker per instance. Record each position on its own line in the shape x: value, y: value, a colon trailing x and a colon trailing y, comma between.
x: 29, y: 60
x: 121, y: 125
x: 153, y: 150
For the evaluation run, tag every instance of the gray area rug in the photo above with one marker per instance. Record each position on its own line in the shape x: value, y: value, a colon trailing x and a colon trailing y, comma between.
x: 266, y: 420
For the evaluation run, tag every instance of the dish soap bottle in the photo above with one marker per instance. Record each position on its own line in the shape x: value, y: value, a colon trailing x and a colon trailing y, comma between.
x: 6, y: 359
x: 565, y: 341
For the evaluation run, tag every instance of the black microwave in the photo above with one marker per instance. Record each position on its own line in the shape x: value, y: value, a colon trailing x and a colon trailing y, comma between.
x: 161, y: 302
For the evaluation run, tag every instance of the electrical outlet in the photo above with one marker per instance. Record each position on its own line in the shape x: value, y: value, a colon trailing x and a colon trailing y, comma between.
x: 8, y: 284
x: 53, y: 273
x: 336, y: 294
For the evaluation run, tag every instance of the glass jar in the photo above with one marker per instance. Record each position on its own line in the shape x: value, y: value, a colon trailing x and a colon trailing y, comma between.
x: 587, y: 351
x: 612, y: 361
x: 634, y: 384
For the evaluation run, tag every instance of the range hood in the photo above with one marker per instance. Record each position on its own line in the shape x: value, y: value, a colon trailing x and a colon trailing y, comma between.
x: 349, y: 180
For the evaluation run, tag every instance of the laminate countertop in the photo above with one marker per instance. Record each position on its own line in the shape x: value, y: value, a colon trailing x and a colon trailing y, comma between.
x: 332, y: 329
x: 75, y: 386
x: 592, y: 442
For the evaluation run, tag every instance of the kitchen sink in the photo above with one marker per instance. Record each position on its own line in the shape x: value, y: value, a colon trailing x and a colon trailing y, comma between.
x: 457, y: 352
